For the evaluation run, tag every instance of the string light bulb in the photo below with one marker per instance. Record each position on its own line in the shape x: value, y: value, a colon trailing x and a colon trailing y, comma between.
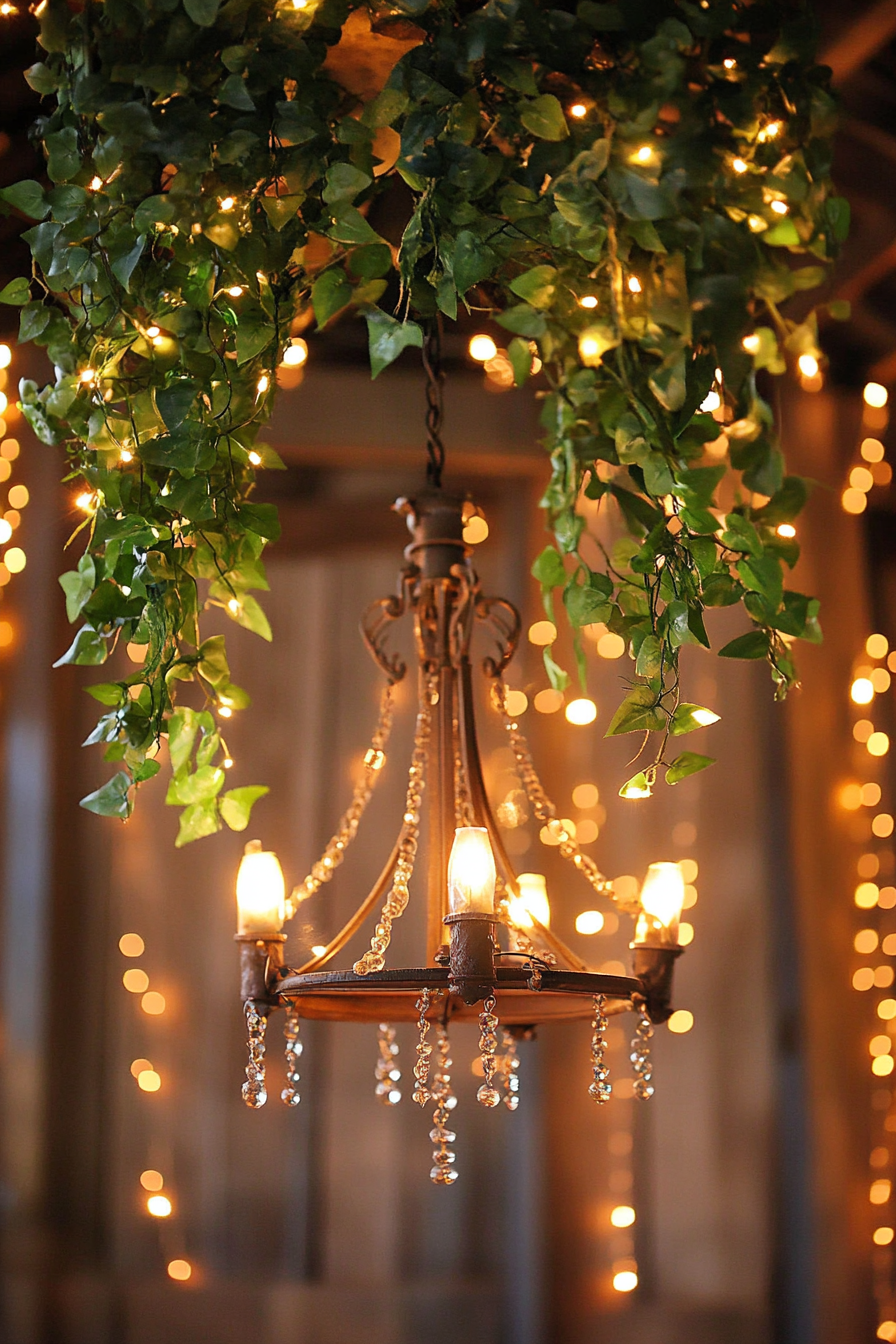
x: 634, y: 285
x: 295, y: 354
x: 578, y: 110
x: 227, y: 203
x: 808, y: 366
x: 739, y: 165
x: 779, y: 207
x: 482, y: 348
x: 588, y: 301
x: 5, y: 356
x: 581, y: 711
x: 875, y: 395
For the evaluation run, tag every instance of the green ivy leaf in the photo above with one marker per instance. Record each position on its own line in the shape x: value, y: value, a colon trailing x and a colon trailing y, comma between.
x: 388, y: 337
x: 752, y: 645
x: 688, y: 763
x: 112, y: 799
x: 29, y: 197
x: 17, y: 292
x: 204, y: 784
x: 330, y: 292
x: 687, y: 718
x: 198, y: 820
x: 556, y: 676
x: 202, y: 12
x: 638, y: 713
x: 236, y: 805
x: 544, y: 118
x: 549, y: 568
x: 472, y: 262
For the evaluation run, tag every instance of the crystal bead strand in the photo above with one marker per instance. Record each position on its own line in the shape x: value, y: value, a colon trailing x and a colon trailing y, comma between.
x: 488, y: 1094
x: 254, y: 1091
x: 293, y: 1050
x: 388, y: 1074
x: 541, y: 804
x: 422, y: 1094
x: 510, y: 1070
x: 601, y: 1089
x: 443, y: 1172
x: 347, y: 829
x: 396, y: 901
x: 640, y: 1057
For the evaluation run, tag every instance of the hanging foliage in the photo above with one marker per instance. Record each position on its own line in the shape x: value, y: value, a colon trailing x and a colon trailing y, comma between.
x: 631, y: 189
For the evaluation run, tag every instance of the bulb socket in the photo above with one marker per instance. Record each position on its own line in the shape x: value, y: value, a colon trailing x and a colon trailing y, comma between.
x: 260, y: 963
x: 655, y: 967
x: 471, y: 956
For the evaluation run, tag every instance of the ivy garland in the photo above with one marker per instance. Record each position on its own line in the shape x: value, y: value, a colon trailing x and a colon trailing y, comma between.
x: 629, y: 186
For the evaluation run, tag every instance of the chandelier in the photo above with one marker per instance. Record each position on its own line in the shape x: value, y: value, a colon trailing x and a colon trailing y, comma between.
x: 490, y: 955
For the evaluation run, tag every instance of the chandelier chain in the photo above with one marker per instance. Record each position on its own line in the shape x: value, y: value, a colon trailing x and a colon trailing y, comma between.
x: 387, y: 1072
x: 443, y: 1172
x: 254, y: 1090
x: 432, y: 363
x: 541, y: 804
x: 510, y: 1064
x: 422, y: 1093
x: 488, y: 1094
x: 374, y: 760
x: 292, y: 1049
x: 374, y: 959
x: 642, y: 1064
x: 601, y: 1088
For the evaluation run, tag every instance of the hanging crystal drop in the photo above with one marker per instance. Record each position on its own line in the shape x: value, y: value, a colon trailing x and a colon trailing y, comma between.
x: 601, y: 1089
x: 254, y: 1091
x: 387, y: 1072
x: 642, y: 1064
x: 510, y: 1064
x: 488, y: 1094
x: 292, y: 1049
x: 443, y: 1171
x: 422, y: 1093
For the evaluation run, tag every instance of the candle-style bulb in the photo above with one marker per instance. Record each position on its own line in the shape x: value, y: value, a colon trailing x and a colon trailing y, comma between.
x: 662, y: 899
x: 260, y: 892
x: 532, y: 901
x: 471, y: 873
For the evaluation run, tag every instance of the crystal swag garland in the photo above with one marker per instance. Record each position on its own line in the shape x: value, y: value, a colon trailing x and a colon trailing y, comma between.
x: 636, y: 203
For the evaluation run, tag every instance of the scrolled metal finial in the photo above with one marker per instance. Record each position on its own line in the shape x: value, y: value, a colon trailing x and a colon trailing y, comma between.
x: 507, y: 624
x: 377, y: 621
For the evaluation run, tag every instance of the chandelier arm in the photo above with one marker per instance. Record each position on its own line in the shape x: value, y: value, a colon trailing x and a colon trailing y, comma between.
x: 380, y: 616
x: 507, y: 625
x: 483, y: 813
x: 375, y: 894
x: 334, y: 853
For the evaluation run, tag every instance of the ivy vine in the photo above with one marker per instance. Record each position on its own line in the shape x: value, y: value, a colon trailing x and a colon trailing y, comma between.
x: 630, y: 189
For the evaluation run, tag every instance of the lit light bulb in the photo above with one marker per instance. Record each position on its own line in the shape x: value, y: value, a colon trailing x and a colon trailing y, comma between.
x: 622, y: 1216
x: 235, y: 291
x: 5, y: 356
x: 228, y: 203
x: 260, y: 891
x: 532, y: 901
x: 255, y: 458
x: 482, y: 348
x: 86, y: 501
x: 581, y: 712
x: 634, y: 284
x: 471, y: 872
x: 854, y: 501
x: 704, y: 717
x: 542, y: 632
x: 643, y: 155
x: 750, y: 343
x: 626, y: 1281
x: 680, y: 1022
x: 861, y: 692
x: 87, y: 376
x: 739, y: 165
x: 589, y: 922
x: 730, y: 63
x: 779, y: 207
x: 711, y: 402
x: 126, y: 455
x: 295, y: 354
x: 786, y: 530
x: 875, y: 394
x: 771, y: 131
x: 662, y: 898
x: 808, y: 366
x: 756, y: 223
x: 589, y: 348
x: 159, y: 1206
x: 179, y: 1270
x: 588, y: 301
x: 300, y: 4
x: 578, y: 110
x: 263, y: 384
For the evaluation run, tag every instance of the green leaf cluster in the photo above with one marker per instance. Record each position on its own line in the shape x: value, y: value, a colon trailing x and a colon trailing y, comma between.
x: 212, y: 188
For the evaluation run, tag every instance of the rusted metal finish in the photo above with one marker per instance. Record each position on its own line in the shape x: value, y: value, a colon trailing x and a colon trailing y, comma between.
x: 261, y: 960
x: 472, y: 949
x: 654, y: 967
